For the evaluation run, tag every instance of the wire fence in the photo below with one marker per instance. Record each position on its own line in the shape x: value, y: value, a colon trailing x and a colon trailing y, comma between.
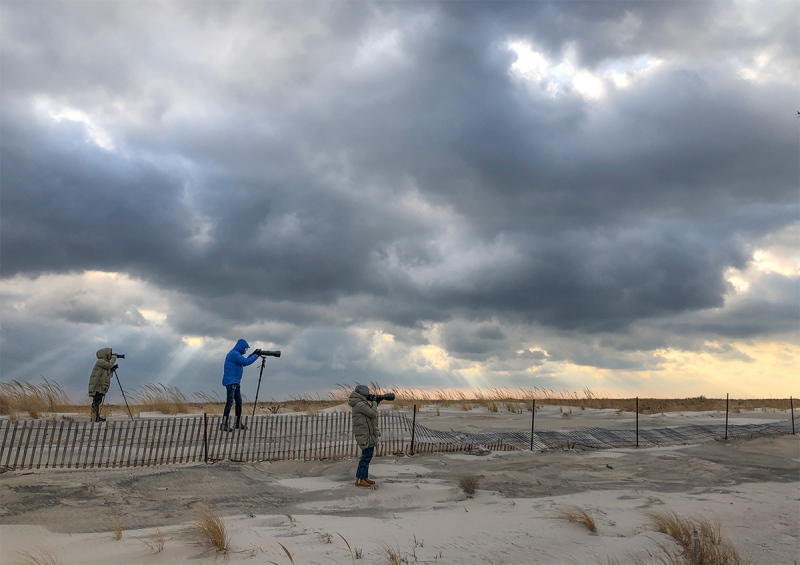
x: 48, y: 444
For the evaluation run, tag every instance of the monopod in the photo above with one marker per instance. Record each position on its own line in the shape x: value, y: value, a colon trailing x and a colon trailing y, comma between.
x: 261, y: 374
x: 123, y: 394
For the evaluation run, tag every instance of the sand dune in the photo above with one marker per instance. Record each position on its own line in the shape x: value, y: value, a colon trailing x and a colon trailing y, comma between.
x: 418, y: 512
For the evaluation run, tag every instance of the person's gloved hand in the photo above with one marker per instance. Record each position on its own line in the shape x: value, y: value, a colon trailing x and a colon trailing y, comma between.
x: 115, y: 367
x: 256, y: 352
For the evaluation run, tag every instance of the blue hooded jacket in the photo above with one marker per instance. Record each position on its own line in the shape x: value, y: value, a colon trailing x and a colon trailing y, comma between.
x: 235, y: 362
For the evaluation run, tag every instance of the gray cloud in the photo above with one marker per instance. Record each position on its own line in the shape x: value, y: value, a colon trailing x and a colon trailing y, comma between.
x: 307, y: 175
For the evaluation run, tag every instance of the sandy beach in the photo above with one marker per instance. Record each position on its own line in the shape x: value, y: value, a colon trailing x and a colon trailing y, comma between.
x: 310, y: 512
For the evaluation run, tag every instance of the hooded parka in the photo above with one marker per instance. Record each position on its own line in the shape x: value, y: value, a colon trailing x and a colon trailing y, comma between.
x: 235, y: 362
x: 365, y: 420
x: 100, y: 379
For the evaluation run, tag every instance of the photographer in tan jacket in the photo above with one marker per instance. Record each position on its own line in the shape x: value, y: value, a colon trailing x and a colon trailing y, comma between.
x: 365, y: 430
x: 100, y: 380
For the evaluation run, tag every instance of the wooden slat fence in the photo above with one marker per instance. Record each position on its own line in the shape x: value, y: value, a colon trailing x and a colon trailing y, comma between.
x: 43, y: 444
x: 35, y: 444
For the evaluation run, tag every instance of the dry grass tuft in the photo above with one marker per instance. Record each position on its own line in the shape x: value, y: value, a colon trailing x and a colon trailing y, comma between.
x: 287, y: 552
x: 392, y: 554
x: 355, y: 553
x: 40, y: 557
x: 116, y: 528
x: 155, y: 545
x: 577, y: 515
x: 712, y: 548
x: 469, y: 484
x: 161, y: 398
x: 494, y: 558
x: 210, y: 530
x: 17, y: 397
x: 209, y: 404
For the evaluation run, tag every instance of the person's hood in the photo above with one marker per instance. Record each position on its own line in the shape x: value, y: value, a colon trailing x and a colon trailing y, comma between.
x: 355, y: 398
x: 104, y: 353
x: 241, y: 345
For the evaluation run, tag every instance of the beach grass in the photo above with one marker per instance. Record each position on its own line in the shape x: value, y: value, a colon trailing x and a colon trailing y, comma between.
x: 577, y: 515
x: 38, y: 557
x: 36, y: 400
x: 116, y: 528
x: 392, y: 554
x: 209, y: 529
x: 469, y: 484
x: 699, y: 538
x: 155, y: 545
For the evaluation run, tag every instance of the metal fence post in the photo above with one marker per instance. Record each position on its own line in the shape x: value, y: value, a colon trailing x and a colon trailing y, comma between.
x: 205, y: 436
x: 413, y: 428
x: 533, y: 419
x: 791, y: 408
x: 726, y: 416
x: 637, y: 421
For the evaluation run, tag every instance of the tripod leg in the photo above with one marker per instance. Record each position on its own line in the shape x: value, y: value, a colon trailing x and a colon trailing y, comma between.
x: 260, y: 374
x: 123, y: 394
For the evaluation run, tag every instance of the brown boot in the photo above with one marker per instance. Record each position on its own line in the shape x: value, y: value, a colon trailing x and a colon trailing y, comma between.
x: 362, y: 483
x: 369, y: 481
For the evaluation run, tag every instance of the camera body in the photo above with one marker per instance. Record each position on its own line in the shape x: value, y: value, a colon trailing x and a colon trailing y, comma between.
x: 119, y: 355
x: 380, y: 397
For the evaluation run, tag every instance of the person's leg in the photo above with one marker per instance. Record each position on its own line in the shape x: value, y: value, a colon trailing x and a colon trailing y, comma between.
x: 238, y: 425
x: 366, y: 478
x: 100, y: 407
x: 230, y: 393
x: 97, y: 400
x: 362, y: 472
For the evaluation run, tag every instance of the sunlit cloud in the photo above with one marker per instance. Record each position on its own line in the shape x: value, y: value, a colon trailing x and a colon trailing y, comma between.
x: 557, y: 77
x: 778, y: 253
x: 56, y: 112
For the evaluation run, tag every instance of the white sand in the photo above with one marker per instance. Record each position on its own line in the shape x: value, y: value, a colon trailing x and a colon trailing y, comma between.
x: 418, y: 510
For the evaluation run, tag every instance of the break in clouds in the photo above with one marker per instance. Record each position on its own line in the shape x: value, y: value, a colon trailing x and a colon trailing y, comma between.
x: 428, y: 195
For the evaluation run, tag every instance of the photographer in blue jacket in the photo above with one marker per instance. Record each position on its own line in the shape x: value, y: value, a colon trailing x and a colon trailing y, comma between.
x: 235, y: 362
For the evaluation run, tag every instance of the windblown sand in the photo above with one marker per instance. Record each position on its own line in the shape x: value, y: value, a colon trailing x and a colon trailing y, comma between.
x: 418, y: 511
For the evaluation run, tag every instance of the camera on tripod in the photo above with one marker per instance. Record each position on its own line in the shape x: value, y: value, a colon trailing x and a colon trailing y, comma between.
x: 265, y: 353
x: 380, y: 397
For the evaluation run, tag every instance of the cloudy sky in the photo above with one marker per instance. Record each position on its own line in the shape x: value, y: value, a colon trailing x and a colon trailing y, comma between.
x: 430, y: 195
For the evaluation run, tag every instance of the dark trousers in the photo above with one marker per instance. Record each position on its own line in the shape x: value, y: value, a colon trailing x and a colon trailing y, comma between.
x: 97, y: 401
x: 234, y: 394
x: 363, y: 464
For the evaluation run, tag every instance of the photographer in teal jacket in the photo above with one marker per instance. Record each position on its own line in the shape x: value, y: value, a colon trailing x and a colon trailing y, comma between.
x: 235, y: 362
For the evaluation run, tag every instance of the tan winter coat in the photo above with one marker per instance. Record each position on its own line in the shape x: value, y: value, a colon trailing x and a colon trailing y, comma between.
x: 365, y: 421
x: 101, y: 374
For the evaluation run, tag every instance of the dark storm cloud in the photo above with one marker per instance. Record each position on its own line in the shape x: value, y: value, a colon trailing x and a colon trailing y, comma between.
x: 307, y: 169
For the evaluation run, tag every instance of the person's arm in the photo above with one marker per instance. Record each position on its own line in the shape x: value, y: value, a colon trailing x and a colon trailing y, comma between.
x: 107, y: 364
x: 240, y: 359
x: 370, y: 410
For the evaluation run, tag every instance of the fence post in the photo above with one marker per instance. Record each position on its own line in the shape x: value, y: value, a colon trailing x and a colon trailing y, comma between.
x: 533, y: 419
x: 791, y: 408
x: 637, y: 421
x: 726, y: 416
x: 205, y: 436
x: 413, y: 428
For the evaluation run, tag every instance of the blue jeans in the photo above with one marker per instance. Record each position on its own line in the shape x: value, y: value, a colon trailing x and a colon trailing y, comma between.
x: 234, y: 393
x: 363, y: 464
